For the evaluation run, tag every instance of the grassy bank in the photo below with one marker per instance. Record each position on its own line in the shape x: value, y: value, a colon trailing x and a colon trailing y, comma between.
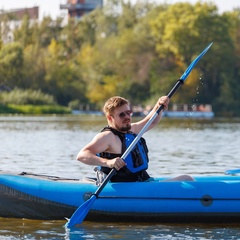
x: 33, y: 109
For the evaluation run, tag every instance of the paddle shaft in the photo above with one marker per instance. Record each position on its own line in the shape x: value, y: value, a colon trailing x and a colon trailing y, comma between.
x: 134, y: 142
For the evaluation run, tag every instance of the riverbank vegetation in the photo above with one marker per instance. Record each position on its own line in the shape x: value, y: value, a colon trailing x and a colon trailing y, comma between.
x: 29, y: 102
x: 137, y: 51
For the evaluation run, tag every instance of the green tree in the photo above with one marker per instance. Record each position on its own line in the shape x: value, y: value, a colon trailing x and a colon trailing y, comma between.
x: 134, y: 50
x: 62, y: 80
x: 230, y: 88
x: 11, y: 62
x: 182, y: 31
x: 34, y: 67
x: 120, y: 59
x: 48, y: 30
x: 23, y: 34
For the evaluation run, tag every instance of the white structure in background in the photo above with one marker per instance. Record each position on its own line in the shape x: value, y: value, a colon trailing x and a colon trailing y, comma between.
x: 12, y: 19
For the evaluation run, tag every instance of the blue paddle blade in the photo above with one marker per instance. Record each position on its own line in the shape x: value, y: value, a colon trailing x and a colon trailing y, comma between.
x: 81, y: 212
x: 233, y: 171
x: 191, y: 66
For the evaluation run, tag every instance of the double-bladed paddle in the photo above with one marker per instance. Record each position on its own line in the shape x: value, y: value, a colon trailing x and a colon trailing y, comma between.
x: 79, y: 215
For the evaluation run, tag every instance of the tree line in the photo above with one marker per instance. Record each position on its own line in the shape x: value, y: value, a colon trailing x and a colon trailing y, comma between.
x: 136, y: 50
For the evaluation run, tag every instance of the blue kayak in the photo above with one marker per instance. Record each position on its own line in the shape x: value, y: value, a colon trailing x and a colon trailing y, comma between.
x: 207, y: 199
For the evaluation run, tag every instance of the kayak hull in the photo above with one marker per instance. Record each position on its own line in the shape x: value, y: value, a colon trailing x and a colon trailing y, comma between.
x: 207, y: 199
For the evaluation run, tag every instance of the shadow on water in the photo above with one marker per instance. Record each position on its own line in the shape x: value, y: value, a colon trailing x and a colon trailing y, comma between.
x: 37, y: 229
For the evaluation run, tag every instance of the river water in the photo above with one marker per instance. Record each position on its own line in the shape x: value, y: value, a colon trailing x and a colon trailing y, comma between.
x: 49, y: 145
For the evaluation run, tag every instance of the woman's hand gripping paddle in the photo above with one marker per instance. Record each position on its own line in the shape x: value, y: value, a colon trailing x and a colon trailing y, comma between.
x: 79, y: 215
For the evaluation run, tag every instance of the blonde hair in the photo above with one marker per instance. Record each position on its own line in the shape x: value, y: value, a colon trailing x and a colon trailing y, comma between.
x: 112, y: 103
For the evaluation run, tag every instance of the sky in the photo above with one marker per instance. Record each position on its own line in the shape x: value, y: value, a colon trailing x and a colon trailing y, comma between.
x: 52, y: 7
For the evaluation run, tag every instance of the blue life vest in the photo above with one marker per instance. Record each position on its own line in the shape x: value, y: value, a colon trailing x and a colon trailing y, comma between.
x: 137, y: 160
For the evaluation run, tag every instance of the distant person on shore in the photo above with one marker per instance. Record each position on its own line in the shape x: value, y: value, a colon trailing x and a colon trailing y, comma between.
x: 107, y: 147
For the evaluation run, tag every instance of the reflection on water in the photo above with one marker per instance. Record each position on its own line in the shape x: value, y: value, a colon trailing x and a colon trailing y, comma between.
x: 49, y: 145
x: 34, y: 229
x: 152, y: 231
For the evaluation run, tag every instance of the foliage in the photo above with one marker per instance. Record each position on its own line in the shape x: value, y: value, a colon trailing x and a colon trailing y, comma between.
x: 136, y: 50
x: 197, y: 25
x: 33, y: 109
x: 74, y: 104
x: 4, y: 109
x: 21, y: 97
x: 11, y: 63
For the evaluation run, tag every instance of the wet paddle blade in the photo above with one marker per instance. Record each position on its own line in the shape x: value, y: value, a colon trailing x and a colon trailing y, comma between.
x: 81, y: 212
x: 191, y: 66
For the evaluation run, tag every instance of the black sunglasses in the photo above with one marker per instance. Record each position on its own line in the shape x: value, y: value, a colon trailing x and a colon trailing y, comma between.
x: 124, y: 114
